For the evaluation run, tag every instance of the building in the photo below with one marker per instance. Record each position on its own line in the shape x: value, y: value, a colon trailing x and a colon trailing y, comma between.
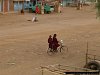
x: 13, y: 5
x: 69, y: 2
x: 6, y: 5
x: 20, y: 4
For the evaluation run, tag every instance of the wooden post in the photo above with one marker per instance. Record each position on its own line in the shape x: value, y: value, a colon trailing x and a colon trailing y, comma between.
x: 42, y: 7
x: 94, y: 57
x: 57, y: 7
x: 87, y: 54
x: 59, y: 67
x: 42, y: 70
x: 78, y: 5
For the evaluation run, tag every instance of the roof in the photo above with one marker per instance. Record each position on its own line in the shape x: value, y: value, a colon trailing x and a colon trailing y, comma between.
x: 18, y: 0
x: 21, y: 0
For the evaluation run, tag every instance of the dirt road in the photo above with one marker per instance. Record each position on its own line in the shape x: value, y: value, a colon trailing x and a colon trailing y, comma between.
x: 23, y: 44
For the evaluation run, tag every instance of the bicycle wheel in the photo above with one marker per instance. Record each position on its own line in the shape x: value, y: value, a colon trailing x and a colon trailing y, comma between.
x: 63, y: 49
x: 50, y: 51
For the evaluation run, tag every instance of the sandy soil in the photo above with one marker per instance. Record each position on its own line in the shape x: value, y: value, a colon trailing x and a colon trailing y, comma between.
x: 23, y: 44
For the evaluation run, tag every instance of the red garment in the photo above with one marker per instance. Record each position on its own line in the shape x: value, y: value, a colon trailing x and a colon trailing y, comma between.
x: 37, y: 10
x: 50, y: 42
x: 55, y: 42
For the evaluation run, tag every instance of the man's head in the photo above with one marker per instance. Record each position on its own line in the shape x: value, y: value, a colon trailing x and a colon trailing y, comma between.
x: 55, y: 35
x: 50, y: 36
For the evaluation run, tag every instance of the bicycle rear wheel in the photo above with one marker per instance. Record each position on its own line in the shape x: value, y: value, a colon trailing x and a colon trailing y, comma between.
x: 50, y: 51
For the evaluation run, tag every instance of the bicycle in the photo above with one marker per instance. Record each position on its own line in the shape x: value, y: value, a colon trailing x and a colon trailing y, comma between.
x: 60, y: 48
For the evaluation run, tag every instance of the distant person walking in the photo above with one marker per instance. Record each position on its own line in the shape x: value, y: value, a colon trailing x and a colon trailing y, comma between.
x: 37, y: 10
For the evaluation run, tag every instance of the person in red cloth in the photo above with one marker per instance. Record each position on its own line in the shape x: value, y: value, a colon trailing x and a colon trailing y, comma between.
x: 37, y: 10
x: 55, y: 42
x: 50, y: 41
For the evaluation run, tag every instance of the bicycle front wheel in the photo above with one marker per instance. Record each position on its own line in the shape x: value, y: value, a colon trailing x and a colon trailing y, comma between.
x: 63, y: 49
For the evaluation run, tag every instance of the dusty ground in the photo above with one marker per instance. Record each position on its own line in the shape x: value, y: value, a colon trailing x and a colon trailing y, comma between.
x: 23, y: 44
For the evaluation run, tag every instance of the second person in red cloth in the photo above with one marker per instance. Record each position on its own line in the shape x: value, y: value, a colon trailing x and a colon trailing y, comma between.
x: 55, y: 42
x: 37, y: 10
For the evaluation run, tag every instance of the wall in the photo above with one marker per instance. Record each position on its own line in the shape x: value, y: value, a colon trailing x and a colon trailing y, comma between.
x: 18, y: 5
x: 0, y: 5
x: 11, y: 5
x: 64, y: 2
x: 5, y: 5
